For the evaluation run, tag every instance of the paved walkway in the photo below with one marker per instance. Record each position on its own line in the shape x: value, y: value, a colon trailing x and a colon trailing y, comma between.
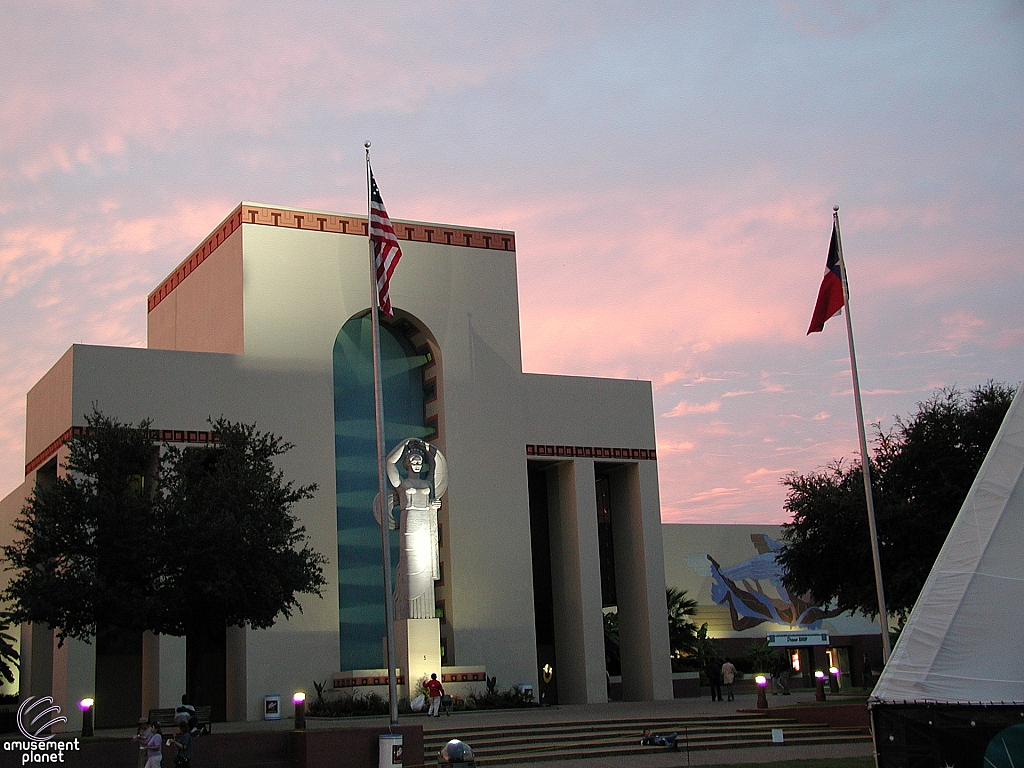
x: 581, y: 712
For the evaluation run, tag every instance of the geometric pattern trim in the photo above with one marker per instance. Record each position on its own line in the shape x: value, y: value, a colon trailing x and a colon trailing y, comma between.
x: 156, y: 435
x: 591, y: 452
x: 463, y: 677
x: 446, y: 677
x: 316, y: 221
x: 197, y: 257
x: 354, y: 682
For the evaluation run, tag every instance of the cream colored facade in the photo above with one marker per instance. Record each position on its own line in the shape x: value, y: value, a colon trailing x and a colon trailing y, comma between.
x: 245, y: 328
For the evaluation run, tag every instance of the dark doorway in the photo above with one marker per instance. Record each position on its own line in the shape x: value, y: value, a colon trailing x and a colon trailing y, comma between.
x: 606, y: 560
x: 206, y: 670
x: 543, y: 600
x: 605, y: 542
x: 118, y: 677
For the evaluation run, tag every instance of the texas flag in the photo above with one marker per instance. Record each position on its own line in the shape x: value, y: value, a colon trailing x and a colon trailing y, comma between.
x: 830, y: 294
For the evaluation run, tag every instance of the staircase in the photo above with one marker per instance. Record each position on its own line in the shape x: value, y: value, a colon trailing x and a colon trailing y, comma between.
x: 515, y: 743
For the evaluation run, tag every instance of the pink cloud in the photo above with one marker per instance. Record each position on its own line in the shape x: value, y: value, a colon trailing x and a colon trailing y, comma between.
x: 684, y: 408
x: 961, y: 326
x: 1011, y: 338
x: 666, y: 447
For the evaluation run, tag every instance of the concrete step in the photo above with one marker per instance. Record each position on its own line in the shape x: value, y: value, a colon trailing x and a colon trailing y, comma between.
x: 514, y: 737
x: 506, y: 744
x: 442, y: 723
x: 523, y: 757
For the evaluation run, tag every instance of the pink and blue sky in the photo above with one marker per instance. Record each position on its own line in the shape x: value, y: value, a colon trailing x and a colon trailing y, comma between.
x: 669, y: 169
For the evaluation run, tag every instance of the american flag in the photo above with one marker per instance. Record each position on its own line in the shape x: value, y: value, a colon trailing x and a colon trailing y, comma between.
x: 386, y: 251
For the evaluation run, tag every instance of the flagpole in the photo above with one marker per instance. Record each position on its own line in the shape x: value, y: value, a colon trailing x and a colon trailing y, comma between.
x: 883, y: 616
x: 382, y: 494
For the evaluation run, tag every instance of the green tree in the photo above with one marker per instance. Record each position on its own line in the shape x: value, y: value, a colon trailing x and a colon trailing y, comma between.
x: 763, y: 659
x: 705, y: 649
x: 86, y: 557
x: 236, y: 555
x: 8, y: 656
x: 681, y: 630
x: 178, y: 543
x: 921, y: 472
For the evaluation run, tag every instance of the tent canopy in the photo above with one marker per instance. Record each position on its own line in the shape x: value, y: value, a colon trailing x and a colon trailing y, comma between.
x: 964, y: 640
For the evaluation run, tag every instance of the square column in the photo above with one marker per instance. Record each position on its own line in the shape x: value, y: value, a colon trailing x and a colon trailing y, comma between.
x: 576, y: 583
x: 417, y: 651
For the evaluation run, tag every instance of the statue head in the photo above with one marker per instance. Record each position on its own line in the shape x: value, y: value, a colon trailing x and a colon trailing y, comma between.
x: 415, y: 457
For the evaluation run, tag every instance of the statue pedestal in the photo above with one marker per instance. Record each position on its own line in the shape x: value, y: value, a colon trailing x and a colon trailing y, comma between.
x: 417, y: 651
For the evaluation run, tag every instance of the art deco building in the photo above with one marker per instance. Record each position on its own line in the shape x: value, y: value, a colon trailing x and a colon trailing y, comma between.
x: 552, y: 510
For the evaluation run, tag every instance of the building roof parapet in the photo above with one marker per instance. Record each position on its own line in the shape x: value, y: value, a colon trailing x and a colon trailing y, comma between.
x: 322, y: 221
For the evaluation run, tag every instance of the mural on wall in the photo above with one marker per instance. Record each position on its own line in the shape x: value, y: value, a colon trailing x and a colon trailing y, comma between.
x: 753, y: 589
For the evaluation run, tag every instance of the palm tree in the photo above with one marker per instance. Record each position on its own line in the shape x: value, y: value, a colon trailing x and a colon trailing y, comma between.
x: 682, y: 634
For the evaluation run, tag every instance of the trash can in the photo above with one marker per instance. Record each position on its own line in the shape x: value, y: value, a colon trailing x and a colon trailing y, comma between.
x: 390, y: 752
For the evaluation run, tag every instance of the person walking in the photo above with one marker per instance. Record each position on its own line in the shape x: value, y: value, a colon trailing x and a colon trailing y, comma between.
x: 154, y: 746
x: 866, y: 673
x: 728, y: 677
x: 713, y: 670
x: 183, y: 742
x: 434, y: 690
x: 141, y: 737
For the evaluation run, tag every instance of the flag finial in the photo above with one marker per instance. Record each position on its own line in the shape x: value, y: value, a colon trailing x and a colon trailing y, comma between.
x: 835, y: 208
x: 366, y: 144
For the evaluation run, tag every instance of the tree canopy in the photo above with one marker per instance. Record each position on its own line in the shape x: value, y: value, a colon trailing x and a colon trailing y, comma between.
x: 8, y: 654
x: 142, y: 539
x: 921, y: 472
x: 88, y: 555
x: 236, y: 555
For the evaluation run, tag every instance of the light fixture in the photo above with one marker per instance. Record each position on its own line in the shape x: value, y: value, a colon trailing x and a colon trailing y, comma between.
x: 299, y: 699
x: 762, y: 698
x: 86, y: 705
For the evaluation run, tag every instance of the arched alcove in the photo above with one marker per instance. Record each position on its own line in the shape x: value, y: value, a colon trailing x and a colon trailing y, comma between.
x: 411, y: 381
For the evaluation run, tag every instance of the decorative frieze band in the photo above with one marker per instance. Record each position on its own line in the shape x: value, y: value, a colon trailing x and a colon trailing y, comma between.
x: 355, y: 682
x: 590, y: 452
x: 156, y: 435
x: 197, y: 257
x: 446, y: 677
x: 315, y: 221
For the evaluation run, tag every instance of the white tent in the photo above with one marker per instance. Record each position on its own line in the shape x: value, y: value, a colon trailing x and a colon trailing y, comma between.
x: 964, y: 640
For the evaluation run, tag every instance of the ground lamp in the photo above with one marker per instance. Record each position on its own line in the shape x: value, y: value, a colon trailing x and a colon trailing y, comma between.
x: 833, y: 679
x: 819, y: 690
x: 299, y: 699
x: 762, y: 699
x: 86, y: 705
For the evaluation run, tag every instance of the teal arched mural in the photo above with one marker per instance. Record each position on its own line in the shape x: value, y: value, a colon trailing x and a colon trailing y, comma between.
x: 360, y: 578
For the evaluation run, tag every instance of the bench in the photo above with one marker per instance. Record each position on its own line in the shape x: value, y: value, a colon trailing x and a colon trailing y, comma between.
x: 165, y: 718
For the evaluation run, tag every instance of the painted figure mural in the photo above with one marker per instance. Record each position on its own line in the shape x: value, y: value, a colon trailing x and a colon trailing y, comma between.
x: 754, y: 593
